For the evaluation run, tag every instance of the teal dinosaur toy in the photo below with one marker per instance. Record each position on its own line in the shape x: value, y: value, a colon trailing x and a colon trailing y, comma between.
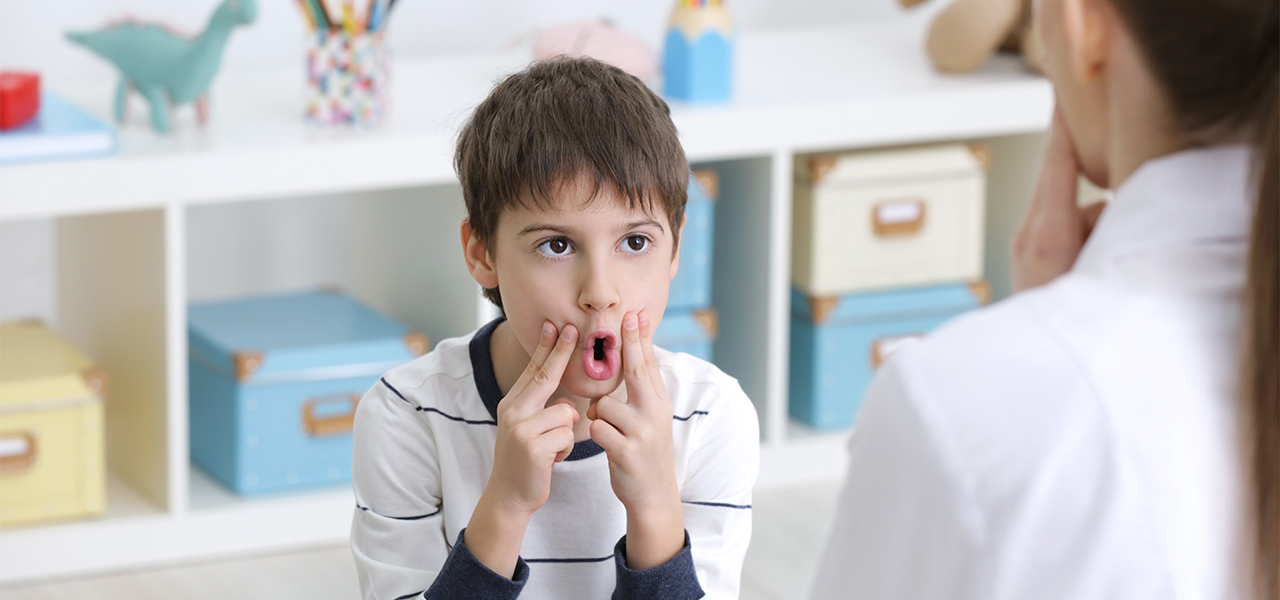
x: 168, y: 69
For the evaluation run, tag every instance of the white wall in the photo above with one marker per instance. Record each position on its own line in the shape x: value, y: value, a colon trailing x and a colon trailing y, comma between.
x: 31, y: 31
x: 27, y: 262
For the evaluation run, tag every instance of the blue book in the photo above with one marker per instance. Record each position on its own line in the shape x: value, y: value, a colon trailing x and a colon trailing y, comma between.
x: 60, y: 130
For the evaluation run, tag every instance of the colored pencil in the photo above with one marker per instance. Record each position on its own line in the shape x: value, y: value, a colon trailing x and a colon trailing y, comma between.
x: 306, y: 14
x: 348, y: 17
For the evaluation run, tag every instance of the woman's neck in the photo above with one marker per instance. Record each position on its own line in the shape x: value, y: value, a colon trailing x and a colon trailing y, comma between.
x: 1140, y: 119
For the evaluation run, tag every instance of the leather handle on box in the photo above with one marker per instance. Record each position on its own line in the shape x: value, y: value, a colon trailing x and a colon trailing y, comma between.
x: 900, y: 217
x: 881, y: 348
x: 709, y: 182
x: 820, y: 167
x: 821, y: 308
x: 96, y: 379
x: 317, y: 426
x: 709, y: 321
x: 981, y: 290
x: 246, y: 363
x: 18, y: 451
x: 417, y: 342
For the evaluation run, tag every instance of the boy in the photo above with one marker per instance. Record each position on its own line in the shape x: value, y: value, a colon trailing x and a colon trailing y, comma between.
x: 555, y: 453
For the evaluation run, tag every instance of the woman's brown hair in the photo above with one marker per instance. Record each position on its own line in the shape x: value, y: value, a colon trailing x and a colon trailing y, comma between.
x: 1217, y: 61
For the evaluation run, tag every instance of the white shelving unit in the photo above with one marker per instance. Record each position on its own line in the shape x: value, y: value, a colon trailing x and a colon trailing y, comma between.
x: 138, y: 239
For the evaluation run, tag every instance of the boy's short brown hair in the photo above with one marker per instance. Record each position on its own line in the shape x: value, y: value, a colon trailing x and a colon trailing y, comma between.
x: 561, y: 119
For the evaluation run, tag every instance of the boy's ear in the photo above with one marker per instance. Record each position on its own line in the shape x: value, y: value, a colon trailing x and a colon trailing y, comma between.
x: 675, y: 255
x: 479, y: 260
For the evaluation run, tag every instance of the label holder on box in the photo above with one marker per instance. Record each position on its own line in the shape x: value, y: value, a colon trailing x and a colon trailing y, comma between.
x: 899, y: 217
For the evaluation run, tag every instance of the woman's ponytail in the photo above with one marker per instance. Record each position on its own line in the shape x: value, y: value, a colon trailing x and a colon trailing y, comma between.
x: 1261, y: 381
x: 1219, y: 62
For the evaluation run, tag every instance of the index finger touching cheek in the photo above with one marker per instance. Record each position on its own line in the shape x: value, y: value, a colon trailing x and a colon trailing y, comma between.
x: 646, y: 344
x: 548, y: 377
x: 546, y: 341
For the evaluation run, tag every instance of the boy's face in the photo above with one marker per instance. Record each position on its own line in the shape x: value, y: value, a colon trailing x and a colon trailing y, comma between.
x: 586, y: 262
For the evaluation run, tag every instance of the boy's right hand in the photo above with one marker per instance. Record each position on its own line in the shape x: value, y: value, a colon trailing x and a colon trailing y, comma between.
x: 532, y: 437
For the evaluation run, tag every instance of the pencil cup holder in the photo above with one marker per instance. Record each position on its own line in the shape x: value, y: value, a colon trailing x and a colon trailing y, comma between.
x: 346, y: 78
x: 697, y: 61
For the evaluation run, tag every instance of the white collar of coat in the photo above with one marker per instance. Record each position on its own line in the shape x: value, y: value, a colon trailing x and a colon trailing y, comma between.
x: 1192, y: 197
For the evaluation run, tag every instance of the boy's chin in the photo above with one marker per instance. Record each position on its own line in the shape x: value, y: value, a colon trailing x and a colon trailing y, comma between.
x: 578, y: 384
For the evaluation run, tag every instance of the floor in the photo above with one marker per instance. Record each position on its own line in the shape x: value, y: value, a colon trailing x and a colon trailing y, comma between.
x: 790, y: 530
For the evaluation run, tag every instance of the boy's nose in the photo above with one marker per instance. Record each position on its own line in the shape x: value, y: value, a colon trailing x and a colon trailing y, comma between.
x: 598, y: 292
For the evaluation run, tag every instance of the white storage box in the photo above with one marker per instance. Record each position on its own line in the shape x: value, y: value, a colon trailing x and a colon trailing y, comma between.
x: 892, y: 218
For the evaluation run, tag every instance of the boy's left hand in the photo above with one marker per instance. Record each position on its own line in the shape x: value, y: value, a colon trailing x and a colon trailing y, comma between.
x: 636, y: 436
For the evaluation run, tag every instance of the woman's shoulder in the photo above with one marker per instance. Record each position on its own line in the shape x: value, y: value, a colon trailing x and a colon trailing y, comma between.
x: 999, y: 389
x: 1009, y: 345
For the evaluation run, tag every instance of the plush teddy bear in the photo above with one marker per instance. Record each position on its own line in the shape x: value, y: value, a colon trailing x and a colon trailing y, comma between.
x: 966, y: 33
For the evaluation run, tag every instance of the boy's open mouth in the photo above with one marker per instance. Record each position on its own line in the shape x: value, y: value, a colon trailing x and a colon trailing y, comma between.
x: 600, y: 358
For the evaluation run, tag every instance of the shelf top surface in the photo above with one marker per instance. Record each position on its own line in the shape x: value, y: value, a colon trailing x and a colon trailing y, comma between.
x: 795, y: 91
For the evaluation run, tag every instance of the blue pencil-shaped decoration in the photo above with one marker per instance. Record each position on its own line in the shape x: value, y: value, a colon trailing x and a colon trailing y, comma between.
x: 697, y: 61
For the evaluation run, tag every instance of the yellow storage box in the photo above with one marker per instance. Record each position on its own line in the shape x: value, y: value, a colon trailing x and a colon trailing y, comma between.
x: 51, y: 432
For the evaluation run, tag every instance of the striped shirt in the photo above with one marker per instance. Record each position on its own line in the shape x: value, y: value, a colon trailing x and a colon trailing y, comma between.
x: 424, y: 444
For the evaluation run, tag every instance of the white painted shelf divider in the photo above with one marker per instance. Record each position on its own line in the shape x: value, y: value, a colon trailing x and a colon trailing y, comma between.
x: 798, y: 91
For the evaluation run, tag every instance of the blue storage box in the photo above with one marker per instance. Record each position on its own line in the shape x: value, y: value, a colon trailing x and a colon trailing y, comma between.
x: 274, y: 382
x: 692, y: 286
x: 838, y: 342
x: 697, y: 57
x: 689, y: 331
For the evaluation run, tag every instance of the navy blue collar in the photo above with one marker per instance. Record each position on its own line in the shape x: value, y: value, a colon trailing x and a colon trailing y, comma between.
x: 491, y: 394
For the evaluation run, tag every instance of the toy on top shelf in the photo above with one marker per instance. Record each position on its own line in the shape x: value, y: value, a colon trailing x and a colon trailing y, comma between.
x: 19, y: 98
x: 165, y: 67
x: 600, y: 40
x: 966, y: 33
x: 697, y: 61
x: 59, y: 130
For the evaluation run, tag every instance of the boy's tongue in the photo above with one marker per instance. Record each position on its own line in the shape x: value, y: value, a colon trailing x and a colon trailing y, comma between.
x: 599, y: 362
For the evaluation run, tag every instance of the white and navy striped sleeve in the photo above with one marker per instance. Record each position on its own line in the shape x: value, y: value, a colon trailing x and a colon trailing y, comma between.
x: 723, y: 462
x: 676, y: 579
x: 397, y: 534
x: 398, y: 537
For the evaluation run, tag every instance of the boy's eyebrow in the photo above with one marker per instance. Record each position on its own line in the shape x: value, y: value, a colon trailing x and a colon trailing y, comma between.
x: 536, y: 227
x: 639, y: 224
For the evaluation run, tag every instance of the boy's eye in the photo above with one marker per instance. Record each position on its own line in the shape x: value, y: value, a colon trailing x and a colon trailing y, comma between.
x: 555, y: 247
x: 635, y: 243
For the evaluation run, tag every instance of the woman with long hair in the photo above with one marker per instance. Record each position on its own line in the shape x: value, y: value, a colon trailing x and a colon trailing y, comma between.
x: 1113, y: 429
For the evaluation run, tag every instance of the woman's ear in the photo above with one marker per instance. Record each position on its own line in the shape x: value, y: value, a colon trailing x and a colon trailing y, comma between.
x: 1087, y: 27
x: 479, y: 259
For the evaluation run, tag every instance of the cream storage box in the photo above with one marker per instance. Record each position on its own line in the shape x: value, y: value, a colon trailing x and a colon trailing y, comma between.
x: 52, y: 457
x: 890, y: 218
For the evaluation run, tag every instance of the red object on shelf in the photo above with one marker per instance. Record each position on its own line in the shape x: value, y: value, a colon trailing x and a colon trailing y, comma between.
x: 19, y: 98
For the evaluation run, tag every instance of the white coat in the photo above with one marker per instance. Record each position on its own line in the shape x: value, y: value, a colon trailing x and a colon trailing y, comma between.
x: 1077, y: 440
